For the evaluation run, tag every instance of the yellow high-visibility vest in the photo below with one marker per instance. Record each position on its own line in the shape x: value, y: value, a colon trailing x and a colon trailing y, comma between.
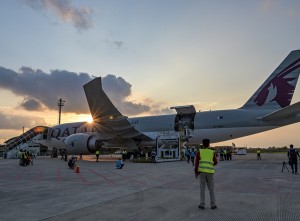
x: 206, y: 162
x: 97, y: 152
x: 258, y: 151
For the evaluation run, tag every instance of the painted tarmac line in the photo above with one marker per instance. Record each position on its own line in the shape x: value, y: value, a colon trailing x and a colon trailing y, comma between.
x: 102, y: 176
x: 58, y: 175
x: 82, y: 178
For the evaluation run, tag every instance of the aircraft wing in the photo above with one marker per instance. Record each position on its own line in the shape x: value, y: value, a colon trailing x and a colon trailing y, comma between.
x: 286, y: 112
x: 107, y: 115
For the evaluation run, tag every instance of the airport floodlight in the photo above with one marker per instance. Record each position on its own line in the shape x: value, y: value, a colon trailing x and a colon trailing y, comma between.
x: 60, y: 104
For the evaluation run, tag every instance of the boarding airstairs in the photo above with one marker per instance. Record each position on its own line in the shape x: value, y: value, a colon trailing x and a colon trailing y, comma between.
x: 12, y: 145
x: 14, y: 142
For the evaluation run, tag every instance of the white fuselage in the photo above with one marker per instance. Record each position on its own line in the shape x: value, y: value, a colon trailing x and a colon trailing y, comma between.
x: 216, y: 125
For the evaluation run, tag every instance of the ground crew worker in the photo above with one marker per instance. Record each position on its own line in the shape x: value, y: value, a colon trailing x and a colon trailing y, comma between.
x: 62, y: 153
x: 293, y: 158
x: 221, y: 154
x: 204, y: 168
x: 97, y: 155
x: 124, y: 155
x: 24, y: 158
x: 229, y: 154
x: 20, y: 156
x: 187, y: 155
x: 66, y: 155
x: 119, y: 164
x: 193, y: 154
x: 28, y: 158
x: 258, y: 154
x: 225, y: 154
x: 153, y: 156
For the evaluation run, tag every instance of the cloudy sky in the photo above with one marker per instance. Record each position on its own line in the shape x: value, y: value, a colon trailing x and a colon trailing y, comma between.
x: 151, y: 55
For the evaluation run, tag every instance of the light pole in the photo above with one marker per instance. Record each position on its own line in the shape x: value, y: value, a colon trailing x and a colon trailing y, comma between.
x: 60, y: 104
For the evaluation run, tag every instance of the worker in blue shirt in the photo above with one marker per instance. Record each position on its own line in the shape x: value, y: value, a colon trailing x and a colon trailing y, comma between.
x: 119, y: 164
x: 187, y: 154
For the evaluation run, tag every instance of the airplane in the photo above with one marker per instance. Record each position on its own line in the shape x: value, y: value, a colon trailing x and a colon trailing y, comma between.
x: 268, y: 108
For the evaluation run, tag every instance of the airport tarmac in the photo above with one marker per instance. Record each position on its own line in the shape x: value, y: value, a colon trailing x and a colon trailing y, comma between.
x: 246, y: 189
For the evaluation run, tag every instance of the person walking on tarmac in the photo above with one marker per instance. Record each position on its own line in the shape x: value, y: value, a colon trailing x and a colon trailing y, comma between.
x: 225, y: 154
x: 97, y: 155
x: 293, y: 158
x: 62, y: 154
x: 193, y: 154
x: 66, y: 155
x: 187, y: 154
x: 28, y: 158
x: 22, y: 157
x: 258, y: 154
x: 153, y: 156
x: 221, y: 154
x: 228, y: 154
x: 124, y: 155
x: 204, y: 168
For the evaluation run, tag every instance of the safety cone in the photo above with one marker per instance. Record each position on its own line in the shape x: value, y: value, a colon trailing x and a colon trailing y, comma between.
x: 77, y: 169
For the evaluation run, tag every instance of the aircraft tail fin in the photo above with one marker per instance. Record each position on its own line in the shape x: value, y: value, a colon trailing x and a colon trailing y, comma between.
x: 277, y: 91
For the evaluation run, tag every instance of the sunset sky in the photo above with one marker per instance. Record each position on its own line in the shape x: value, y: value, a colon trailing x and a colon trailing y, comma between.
x: 151, y: 55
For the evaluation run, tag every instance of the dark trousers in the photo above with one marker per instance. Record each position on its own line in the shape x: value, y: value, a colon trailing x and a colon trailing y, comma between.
x: 153, y: 160
x: 193, y: 160
x: 294, y: 164
x: 121, y: 166
x: 188, y: 158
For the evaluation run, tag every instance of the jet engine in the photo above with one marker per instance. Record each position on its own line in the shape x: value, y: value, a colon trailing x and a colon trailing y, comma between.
x: 82, y: 143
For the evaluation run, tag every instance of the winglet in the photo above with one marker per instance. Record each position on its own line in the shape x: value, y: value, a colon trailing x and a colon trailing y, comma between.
x: 99, y: 104
x: 104, y: 112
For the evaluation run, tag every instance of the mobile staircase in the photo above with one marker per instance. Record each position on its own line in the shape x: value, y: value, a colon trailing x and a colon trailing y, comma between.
x: 12, y: 145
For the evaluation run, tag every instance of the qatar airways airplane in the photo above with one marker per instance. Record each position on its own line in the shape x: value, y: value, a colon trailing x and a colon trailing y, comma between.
x: 268, y: 108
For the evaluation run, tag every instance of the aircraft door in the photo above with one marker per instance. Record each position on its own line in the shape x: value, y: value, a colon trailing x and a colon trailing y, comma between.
x: 184, y: 120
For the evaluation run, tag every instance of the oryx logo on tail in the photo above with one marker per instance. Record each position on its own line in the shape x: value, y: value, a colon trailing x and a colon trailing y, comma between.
x: 280, y: 88
x: 277, y: 91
